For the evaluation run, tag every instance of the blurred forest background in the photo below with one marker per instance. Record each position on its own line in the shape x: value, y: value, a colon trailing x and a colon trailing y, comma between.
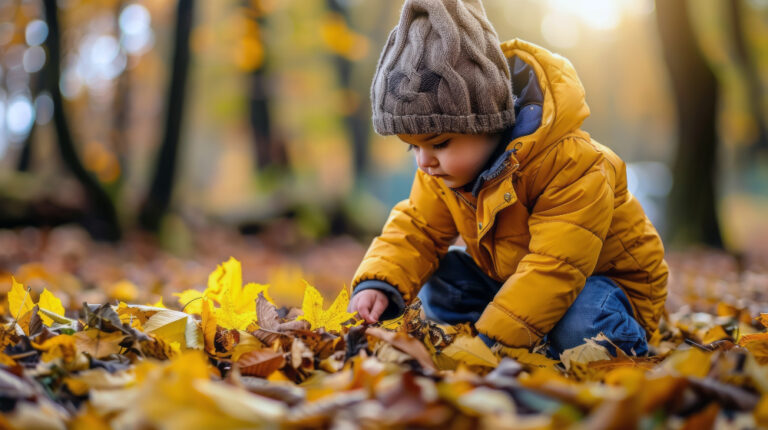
x: 177, y: 119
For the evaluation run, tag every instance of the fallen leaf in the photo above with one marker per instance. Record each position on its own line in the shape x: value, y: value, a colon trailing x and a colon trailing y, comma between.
x: 528, y: 359
x: 330, y: 319
x: 172, y: 326
x: 30, y: 322
x: 97, y: 343
x: 472, y: 351
x: 714, y: 334
x: 208, y: 326
x: 19, y: 300
x: 61, y: 346
x: 260, y: 362
x: 584, y: 353
x: 757, y: 344
x: 190, y: 301
x: 50, y: 303
x: 405, y: 343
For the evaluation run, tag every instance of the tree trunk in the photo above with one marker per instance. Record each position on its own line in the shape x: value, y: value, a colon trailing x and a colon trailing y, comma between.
x: 692, y: 204
x: 159, y: 196
x: 102, y: 221
x: 356, y: 119
x: 269, y: 150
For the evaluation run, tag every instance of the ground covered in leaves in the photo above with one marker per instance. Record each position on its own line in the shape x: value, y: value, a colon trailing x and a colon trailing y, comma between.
x: 209, y: 349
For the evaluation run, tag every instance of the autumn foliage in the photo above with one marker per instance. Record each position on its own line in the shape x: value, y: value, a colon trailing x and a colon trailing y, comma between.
x: 229, y: 357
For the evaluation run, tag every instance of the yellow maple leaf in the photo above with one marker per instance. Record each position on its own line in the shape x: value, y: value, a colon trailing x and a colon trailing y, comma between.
x: 237, y: 303
x: 50, y: 303
x: 158, y: 304
x: 227, y: 277
x: 190, y: 301
x: 208, y: 325
x: 331, y: 319
x: 19, y: 301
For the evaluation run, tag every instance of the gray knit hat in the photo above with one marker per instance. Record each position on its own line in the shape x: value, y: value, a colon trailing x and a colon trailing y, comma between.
x: 442, y: 71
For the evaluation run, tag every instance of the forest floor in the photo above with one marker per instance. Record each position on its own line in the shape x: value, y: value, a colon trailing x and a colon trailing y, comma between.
x: 89, y: 325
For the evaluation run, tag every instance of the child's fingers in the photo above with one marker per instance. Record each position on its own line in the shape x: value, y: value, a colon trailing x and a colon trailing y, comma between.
x: 362, y: 304
x: 378, y: 308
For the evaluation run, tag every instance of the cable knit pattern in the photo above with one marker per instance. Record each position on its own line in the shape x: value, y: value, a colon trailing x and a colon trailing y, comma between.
x: 442, y: 71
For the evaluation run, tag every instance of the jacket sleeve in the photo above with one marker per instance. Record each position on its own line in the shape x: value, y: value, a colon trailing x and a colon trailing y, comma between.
x: 568, y: 225
x: 414, y: 239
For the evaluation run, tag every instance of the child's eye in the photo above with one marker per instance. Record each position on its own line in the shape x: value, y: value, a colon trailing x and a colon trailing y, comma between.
x: 441, y: 145
x: 411, y: 147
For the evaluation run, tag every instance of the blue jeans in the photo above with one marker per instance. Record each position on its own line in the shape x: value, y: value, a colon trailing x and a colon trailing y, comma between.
x: 459, y: 291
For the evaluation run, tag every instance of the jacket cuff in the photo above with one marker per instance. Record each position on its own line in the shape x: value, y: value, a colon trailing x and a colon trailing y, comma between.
x: 396, y: 304
x: 507, y: 328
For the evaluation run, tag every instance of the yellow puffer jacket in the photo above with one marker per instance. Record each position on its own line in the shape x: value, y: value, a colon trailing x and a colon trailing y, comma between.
x: 559, y: 212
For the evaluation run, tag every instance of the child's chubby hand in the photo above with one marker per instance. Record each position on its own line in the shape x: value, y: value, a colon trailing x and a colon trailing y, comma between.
x: 369, y: 304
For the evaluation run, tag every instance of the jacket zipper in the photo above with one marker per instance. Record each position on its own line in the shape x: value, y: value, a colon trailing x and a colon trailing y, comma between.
x: 464, y: 199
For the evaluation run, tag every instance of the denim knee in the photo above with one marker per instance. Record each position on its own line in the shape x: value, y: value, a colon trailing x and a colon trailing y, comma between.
x: 458, y: 291
x: 601, y: 307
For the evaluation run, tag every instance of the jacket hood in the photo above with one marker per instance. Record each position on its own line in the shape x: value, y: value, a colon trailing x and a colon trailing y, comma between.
x: 550, y: 100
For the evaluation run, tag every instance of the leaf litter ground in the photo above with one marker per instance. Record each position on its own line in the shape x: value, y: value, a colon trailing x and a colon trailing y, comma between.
x: 229, y: 354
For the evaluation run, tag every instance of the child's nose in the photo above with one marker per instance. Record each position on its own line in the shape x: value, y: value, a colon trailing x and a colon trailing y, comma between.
x: 425, y: 159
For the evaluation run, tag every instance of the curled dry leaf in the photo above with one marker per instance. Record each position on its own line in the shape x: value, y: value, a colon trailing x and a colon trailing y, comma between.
x: 407, y: 344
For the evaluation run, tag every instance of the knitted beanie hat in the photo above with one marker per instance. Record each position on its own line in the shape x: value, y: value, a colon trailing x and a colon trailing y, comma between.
x: 441, y: 71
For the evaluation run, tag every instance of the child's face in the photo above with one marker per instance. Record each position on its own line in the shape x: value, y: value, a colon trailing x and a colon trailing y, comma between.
x: 455, y: 158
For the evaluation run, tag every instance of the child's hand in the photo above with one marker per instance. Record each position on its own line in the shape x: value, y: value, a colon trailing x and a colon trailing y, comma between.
x: 369, y: 304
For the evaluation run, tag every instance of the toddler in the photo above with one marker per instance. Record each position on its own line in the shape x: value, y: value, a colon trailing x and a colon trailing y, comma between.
x: 557, y: 249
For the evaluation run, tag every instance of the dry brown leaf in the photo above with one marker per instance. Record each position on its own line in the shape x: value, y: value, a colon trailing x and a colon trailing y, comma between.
x: 405, y: 343
x: 301, y: 356
x: 97, y: 343
x: 584, y: 353
x: 261, y: 362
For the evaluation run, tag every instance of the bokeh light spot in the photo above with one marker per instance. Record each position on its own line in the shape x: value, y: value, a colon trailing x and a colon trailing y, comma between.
x: 36, y: 32
x: 20, y: 115
x: 34, y: 59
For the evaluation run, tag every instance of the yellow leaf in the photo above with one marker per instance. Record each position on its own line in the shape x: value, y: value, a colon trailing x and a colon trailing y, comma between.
x: 190, y: 301
x: 19, y: 301
x: 61, y: 346
x: 757, y: 344
x: 238, y: 303
x: 6, y: 360
x: 229, y: 317
x: 331, y: 319
x: 471, y: 350
x: 714, y: 334
x: 691, y: 362
x: 208, y: 324
x: 226, y: 276
x: 158, y: 304
x: 50, y: 303
x: 169, y: 325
